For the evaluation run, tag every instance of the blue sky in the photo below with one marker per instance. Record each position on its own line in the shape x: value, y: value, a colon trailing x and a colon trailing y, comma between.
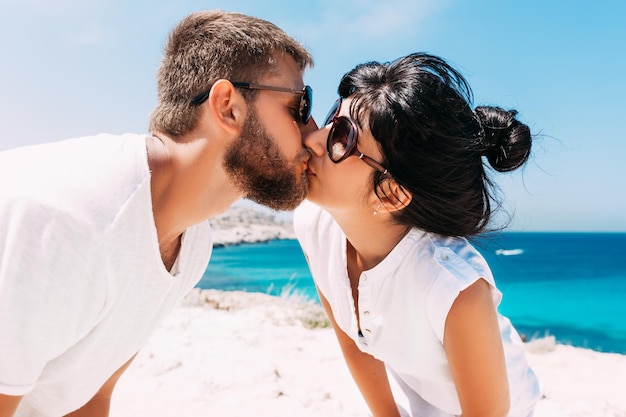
x: 72, y: 68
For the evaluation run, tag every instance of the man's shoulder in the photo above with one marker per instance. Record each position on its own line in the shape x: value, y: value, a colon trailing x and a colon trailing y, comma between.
x: 85, y: 180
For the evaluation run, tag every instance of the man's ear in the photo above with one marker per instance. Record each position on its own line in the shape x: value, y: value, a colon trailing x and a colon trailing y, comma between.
x: 393, y: 196
x: 227, y: 107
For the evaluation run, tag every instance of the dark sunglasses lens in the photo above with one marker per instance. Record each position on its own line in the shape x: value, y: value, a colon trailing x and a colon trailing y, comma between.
x: 306, y: 104
x: 332, y: 113
x: 340, y: 139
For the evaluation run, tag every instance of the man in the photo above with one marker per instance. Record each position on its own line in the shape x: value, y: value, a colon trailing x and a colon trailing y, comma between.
x: 100, y: 237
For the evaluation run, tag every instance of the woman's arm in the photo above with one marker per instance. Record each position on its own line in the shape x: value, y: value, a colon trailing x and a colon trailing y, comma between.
x: 474, y: 349
x: 8, y: 405
x: 368, y: 373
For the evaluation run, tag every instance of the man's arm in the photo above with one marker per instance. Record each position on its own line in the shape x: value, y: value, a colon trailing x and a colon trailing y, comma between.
x: 100, y: 403
x: 368, y: 372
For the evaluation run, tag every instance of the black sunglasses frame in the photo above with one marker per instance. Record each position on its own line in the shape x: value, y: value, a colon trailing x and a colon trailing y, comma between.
x: 304, y: 107
x: 352, y: 134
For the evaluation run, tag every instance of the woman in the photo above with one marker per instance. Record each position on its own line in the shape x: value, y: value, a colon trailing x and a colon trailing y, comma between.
x: 398, y: 181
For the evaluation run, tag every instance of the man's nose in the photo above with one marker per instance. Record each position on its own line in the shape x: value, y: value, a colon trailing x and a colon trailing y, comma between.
x: 315, y: 140
x: 311, y: 126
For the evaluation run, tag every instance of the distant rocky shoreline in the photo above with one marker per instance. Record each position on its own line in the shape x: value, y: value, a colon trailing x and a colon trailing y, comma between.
x: 248, y: 225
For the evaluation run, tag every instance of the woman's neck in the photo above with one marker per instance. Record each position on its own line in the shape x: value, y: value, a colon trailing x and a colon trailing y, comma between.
x: 371, y: 237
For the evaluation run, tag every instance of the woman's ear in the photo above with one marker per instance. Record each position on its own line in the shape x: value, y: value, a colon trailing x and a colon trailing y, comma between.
x: 393, y: 196
x: 226, y: 106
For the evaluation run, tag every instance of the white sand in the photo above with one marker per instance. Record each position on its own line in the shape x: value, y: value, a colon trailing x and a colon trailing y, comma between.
x: 242, y: 354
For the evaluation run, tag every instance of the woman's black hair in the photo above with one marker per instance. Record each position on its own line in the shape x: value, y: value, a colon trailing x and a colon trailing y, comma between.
x: 418, y: 108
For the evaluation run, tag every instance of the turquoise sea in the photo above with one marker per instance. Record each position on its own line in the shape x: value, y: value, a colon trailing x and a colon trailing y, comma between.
x: 569, y: 285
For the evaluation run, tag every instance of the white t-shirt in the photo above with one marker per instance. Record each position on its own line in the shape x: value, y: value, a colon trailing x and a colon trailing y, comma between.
x: 82, y: 283
x: 403, y: 305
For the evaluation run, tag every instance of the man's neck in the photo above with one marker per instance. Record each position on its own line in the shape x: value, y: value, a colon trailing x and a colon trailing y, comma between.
x: 188, y: 186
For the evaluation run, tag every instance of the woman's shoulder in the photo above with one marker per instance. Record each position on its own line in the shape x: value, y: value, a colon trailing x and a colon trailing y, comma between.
x: 454, y: 262
x: 309, y: 216
x: 305, y: 209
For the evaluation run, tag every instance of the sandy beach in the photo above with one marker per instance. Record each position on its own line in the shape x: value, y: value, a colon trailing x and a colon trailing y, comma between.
x: 248, y: 354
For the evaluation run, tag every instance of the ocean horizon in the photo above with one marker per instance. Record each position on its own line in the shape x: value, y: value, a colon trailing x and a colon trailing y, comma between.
x: 568, y: 285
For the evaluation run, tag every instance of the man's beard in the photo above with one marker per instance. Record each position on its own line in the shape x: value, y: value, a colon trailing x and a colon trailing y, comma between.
x: 257, y: 167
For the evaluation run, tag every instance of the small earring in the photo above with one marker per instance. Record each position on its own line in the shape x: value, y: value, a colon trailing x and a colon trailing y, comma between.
x: 376, y: 211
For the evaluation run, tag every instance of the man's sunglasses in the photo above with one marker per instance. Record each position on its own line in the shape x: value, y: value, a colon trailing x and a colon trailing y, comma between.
x: 304, y: 107
x: 342, y: 139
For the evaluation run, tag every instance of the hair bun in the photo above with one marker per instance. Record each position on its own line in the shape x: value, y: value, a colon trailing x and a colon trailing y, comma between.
x: 505, y: 141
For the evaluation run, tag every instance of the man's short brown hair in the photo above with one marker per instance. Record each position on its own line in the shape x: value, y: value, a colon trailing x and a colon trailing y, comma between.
x: 210, y: 45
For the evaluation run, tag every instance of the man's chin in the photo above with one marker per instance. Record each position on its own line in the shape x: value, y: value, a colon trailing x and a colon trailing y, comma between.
x: 279, y: 202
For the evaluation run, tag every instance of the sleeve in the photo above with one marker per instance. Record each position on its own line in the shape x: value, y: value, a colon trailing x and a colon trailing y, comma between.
x: 49, y: 296
x: 303, y: 215
x: 455, y: 268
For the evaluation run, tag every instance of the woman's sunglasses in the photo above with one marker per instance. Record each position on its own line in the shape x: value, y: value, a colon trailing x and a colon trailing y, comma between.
x: 342, y: 139
x: 304, y: 107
